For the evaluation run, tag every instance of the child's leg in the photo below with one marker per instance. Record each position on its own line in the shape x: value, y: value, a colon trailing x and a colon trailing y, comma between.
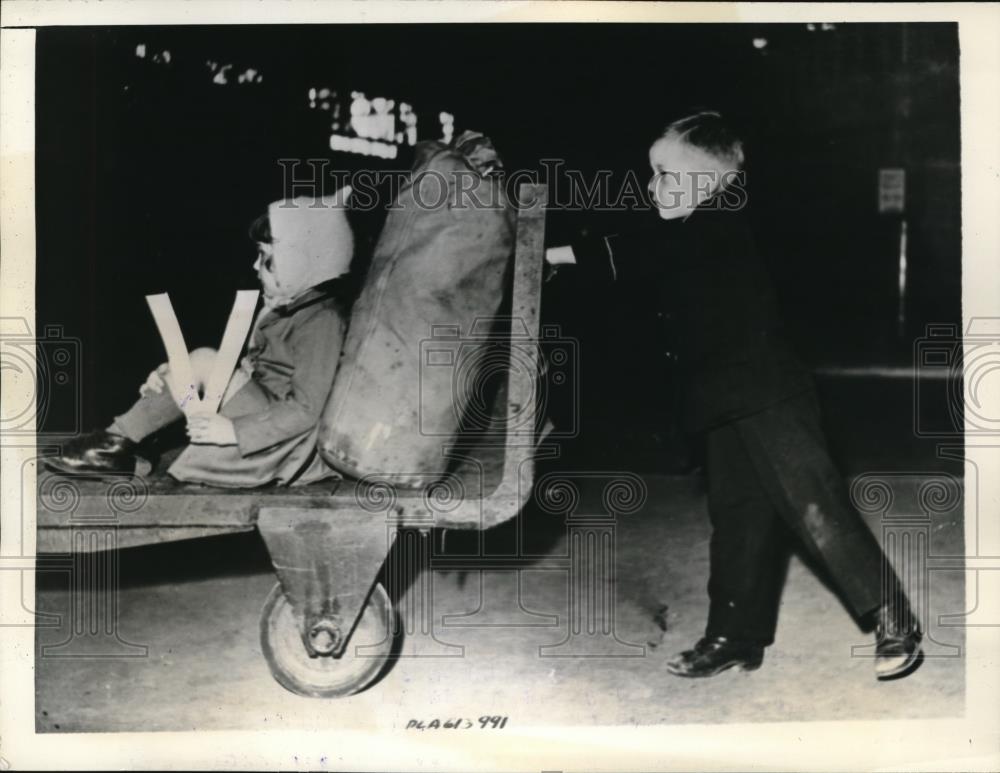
x: 789, y: 450
x: 155, y: 410
x: 747, y: 553
x: 746, y: 564
x: 149, y: 413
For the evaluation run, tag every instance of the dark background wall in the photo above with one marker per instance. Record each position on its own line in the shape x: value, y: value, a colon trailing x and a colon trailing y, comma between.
x: 148, y: 174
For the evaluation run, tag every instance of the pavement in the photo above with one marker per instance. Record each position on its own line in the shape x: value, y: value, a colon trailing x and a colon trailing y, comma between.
x: 185, y: 653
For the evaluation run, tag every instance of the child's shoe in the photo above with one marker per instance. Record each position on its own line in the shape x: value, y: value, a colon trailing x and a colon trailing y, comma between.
x: 713, y: 655
x: 897, y: 640
x: 99, y: 452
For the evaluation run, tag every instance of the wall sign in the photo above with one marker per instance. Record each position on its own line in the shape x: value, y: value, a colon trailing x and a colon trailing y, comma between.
x: 891, y: 190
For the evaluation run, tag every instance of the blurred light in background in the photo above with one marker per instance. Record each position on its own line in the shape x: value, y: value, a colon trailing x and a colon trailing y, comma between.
x: 409, y: 120
x: 220, y: 76
x: 373, y: 126
x: 373, y: 119
x: 161, y: 57
x: 447, y: 126
x: 362, y: 146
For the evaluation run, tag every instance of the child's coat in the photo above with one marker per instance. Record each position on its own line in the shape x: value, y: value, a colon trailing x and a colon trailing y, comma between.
x: 293, y: 356
x: 294, y: 352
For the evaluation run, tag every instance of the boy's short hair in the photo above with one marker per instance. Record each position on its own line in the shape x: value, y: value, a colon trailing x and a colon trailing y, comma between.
x: 707, y: 131
x: 260, y: 230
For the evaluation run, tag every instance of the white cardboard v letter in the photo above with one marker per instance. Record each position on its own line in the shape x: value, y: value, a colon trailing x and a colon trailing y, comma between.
x: 183, y: 388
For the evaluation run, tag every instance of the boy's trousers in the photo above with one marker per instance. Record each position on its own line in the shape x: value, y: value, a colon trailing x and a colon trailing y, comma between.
x: 770, y: 477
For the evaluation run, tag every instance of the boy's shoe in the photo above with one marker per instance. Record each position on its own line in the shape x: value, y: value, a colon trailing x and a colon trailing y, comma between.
x: 99, y: 452
x: 714, y: 655
x: 897, y: 640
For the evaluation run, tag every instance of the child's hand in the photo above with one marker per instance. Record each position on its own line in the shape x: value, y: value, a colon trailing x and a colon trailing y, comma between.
x: 212, y: 429
x: 155, y: 382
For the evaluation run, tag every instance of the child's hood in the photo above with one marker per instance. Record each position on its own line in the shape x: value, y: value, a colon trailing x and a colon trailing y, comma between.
x: 312, y: 241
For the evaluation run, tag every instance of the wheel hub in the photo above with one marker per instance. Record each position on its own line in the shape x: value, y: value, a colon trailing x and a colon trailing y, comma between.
x: 324, y: 638
x: 315, y: 657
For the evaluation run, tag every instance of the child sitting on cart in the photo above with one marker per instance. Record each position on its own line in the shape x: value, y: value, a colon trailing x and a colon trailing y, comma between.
x: 265, y: 431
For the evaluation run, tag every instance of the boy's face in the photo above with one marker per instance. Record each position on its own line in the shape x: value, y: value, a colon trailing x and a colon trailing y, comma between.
x: 683, y: 177
x: 264, y: 266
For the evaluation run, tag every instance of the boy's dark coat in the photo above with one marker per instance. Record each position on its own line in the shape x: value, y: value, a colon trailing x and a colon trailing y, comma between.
x: 732, y: 357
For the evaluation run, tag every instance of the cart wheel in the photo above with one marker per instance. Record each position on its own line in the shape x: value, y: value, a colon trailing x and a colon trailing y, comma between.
x: 325, y: 677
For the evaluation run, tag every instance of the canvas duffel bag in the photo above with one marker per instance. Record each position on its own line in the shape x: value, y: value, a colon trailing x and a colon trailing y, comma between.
x: 440, y: 267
